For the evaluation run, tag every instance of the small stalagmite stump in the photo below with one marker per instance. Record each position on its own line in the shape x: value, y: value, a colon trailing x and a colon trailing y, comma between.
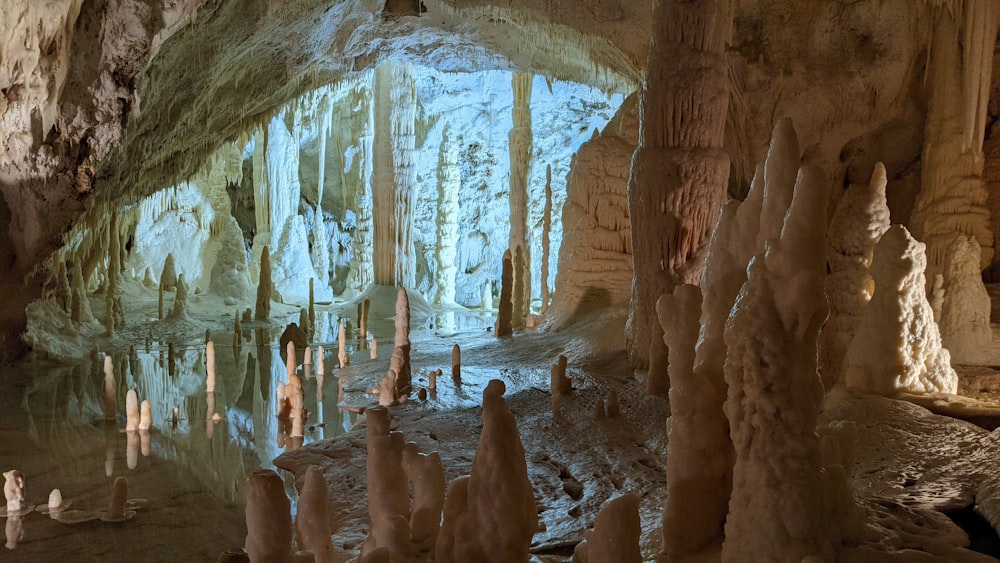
x: 613, y: 409
x: 456, y: 363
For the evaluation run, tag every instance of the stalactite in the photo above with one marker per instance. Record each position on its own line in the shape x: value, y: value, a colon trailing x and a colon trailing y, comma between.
x: 394, y: 175
x: 520, y: 140
x: 679, y: 170
x: 449, y: 182
x: 953, y: 196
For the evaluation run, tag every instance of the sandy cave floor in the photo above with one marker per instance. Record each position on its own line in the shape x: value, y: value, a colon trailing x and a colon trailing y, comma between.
x: 910, y: 464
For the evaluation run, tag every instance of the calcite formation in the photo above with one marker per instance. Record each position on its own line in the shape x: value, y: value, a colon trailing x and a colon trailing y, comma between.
x: 388, y: 499
x: 312, y: 519
x: 264, y: 287
x: 490, y: 515
x: 519, y: 139
x: 964, y: 318
x: 268, y: 518
x: 504, y: 324
x: 897, y: 346
x: 615, y: 537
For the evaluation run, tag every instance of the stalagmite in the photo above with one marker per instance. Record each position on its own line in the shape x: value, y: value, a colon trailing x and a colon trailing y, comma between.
x: 312, y: 519
x: 897, y: 346
x: 491, y: 515
x: 402, y: 342
x: 520, y: 141
x: 268, y: 519
x: 426, y: 472
x: 432, y: 380
x: 210, y: 367
x: 304, y: 322
x: 119, y: 498
x: 388, y: 500
x: 611, y: 406
x: 615, y: 537
x: 658, y: 377
x: 373, y: 352
x: 861, y: 217
x: 110, y: 407
x: 449, y: 184
x: 953, y: 196
x: 679, y: 170
x: 320, y: 362
x: 784, y: 505
x: 394, y: 175
x: 131, y: 411
x: 546, y: 229
x: 965, y: 309
x: 361, y: 274
x: 179, y: 312
x: 506, y: 310
x: 363, y: 325
x: 559, y: 379
x: 456, y: 363
x: 114, y: 314
x: 80, y: 309
x: 263, y: 311
x: 342, y: 346
x: 13, y: 490
x: 168, y: 275
x: 517, y: 305
x: 691, y: 518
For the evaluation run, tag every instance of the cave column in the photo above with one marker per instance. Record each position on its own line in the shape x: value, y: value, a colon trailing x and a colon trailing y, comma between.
x: 394, y: 175
x: 361, y: 273
x: 953, y: 195
x: 449, y: 181
x: 520, y: 139
x: 679, y: 170
x: 321, y: 242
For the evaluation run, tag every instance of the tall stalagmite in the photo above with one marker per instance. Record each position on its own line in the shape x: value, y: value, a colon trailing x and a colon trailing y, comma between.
x: 952, y: 199
x: 679, y: 170
x: 394, y: 175
x: 520, y: 165
x: 546, y: 229
x: 360, y: 275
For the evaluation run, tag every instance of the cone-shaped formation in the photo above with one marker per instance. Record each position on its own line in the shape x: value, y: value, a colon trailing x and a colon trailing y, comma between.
x: 491, y: 514
x: 312, y: 519
x: 965, y: 309
x: 179, y: 311
x: 168, y: 276
x: 264, y: 288
x: 615, y: 537
x: 268, y: 518
x: 861, y: 217
x: 783, y: 505
x: 388, y: 500
x: 897, y: 346
x: 504, y: 325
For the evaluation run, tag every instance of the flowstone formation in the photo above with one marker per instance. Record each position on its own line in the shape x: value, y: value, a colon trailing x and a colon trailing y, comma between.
x: 897, y: 346
x: 490, y: 515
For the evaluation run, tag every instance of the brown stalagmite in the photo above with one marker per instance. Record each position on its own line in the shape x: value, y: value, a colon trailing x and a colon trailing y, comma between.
x: 394, y: 175
x: 520, y: 141
x: 312, y: 518
x: 268, y: 519
x: 264, y: 288
x: 456, y: 363
x: 388, y: 499
x: 679, y: 170
x: 506, y: 310
x: 312, y: 309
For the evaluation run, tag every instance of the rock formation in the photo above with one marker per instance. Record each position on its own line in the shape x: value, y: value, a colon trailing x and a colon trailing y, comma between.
x: 268, y: 518
x: 965, y: 311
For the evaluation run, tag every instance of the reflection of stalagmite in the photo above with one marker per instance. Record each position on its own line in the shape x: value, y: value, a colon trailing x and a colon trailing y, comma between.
x: 679, y: 170
x: 145, y: 415
x: 394, y: 175
x: 110, y: 407
x: 897, y: 346
x: 210, y: 366
x: 520, y: 142
x: 860, y: 219
x: 268, y: 519
x: 491, y: 515
x: 263, y: 311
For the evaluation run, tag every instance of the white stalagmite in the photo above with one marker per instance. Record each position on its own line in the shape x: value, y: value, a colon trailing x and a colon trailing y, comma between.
x: 388, y: 499
x: 342, y: 346
x: 861, y: 217
x: 615, y: 537
x: 145, y: 416
x: 897, y: 346
x: 312, y: 519
x: 965, y: 310
x: 80, y: 307
x: 953, y: 196
x: 230, y: 276
x: 110, y: 406
x: 268, y: 519
x: 698, y: 465
x: 491, y: 514
x: 520, y: 141
x: 394, y: 175
x: 449, y: 183
x: 784, y: 505
x: 179, y: 311
x: 679, y: 171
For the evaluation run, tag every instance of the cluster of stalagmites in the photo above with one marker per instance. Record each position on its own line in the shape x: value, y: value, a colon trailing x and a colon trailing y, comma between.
x: 748, y: 465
